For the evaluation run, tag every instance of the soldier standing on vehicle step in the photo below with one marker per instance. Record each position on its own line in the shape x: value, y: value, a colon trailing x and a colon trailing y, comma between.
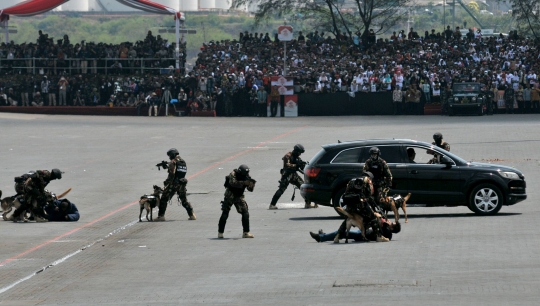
x: 382, y: 177
x: 291, y: 164
x: 175, y: 184
x: 235, y: 183
x: 438, y: 141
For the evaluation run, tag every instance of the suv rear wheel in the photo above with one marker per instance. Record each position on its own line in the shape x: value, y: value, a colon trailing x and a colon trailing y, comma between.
x: 336, y: 200
x: 486, y: 199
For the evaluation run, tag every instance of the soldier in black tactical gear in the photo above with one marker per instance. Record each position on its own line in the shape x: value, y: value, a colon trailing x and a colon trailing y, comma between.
x: 235, y: 184
x: 438, y: 141
x: 32, y: 186
x: 358, y: 199
x: 291, y: 164
x: 382, y: 177
x: 175, y: 184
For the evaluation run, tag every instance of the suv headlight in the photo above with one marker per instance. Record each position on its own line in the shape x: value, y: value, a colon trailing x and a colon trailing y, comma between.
x: 509, y: 175
x: 474, y: 99
x: 456, y: 99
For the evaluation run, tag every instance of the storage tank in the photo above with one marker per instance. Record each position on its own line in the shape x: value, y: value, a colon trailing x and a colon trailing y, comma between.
x: 174, y: 4
x: 115, y: 6
x: 74, y: 6
x: 207, y: 4
x: 223, y: 4
x: 189, y: 5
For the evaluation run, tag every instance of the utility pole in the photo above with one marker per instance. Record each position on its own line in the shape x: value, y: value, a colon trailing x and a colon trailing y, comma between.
x: 204, y: 31
x: 444, y: 14
x: 453, y: 14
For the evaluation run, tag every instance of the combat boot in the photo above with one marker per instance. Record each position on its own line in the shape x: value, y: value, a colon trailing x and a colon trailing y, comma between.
x: 272, y: 206
x: 12, y: 218
x: 247, y: 235
x: 220, y: 235
x: 193, y: 217
x: 160, y: 218
x: 317, y: 237
x: 382, y: 239
x: 315, y: 205
x: 307, y: 205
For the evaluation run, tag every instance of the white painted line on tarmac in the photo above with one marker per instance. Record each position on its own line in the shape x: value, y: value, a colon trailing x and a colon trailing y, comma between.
x: 61, y: 260
x: 290, y: 205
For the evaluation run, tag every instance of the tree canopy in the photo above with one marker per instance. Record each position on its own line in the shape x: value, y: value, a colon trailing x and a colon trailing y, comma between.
x: 337, y: 16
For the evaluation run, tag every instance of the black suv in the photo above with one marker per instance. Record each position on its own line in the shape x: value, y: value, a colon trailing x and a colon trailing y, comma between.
x: 447, y: 180
x: 467, y: 98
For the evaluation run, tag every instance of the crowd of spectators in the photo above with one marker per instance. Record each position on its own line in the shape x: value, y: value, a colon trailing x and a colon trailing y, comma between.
x: 234, y: 76
x: 50, y: 57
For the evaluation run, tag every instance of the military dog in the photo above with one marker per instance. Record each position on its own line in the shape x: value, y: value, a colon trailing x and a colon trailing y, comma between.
x: 7, y: 204
x: 352, y: 219
x: 149, y: 202
x: 394, y: 203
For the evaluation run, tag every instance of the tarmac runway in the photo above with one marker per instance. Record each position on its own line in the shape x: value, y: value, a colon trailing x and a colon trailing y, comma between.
x: 443, y: 256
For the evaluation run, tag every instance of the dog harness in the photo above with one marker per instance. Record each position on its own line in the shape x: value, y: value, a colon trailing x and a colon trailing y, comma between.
x: 398, y: 200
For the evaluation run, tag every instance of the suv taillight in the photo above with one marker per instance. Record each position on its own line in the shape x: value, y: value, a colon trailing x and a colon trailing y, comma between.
x: 312, y: 172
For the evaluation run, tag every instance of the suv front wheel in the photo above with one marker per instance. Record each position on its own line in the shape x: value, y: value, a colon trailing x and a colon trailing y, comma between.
x: 336, y: 200
x: 486, y: 199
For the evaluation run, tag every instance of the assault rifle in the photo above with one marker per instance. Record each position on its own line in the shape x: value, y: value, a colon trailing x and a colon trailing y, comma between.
x: 300, y: 165
x: 252, y: 183
x: 163, y: 164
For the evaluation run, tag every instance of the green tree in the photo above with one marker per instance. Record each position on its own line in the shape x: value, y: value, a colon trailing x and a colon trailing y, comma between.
x: 336, y: 15
x: 527, y: 16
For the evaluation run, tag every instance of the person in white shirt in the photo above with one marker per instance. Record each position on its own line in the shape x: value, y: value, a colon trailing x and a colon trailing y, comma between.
x: 399, y: 79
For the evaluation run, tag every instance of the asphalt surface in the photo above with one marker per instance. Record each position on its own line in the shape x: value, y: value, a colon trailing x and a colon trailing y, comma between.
x: 443, y: 256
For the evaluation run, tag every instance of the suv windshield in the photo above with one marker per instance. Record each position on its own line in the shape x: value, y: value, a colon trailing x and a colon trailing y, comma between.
x: 466, y: 88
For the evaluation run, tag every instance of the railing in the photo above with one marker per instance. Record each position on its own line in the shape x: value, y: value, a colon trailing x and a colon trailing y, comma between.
x: 91, y: 65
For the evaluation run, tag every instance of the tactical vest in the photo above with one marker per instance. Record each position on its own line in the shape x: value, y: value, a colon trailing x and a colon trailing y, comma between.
x: 292, y: 159
x: 441, y: 145
x: 376, y: 168
x: 351, y: 200
x: 237, y: 192
x: 181, y: 169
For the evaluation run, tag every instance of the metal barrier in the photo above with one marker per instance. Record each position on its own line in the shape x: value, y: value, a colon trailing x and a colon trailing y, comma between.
x: 91, y: 65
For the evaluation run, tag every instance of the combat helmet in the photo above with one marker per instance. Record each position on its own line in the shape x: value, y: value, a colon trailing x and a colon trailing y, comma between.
x: 243, y: 170
x: 298, y: 149
x: 56, y: 174
x: 172, y: 153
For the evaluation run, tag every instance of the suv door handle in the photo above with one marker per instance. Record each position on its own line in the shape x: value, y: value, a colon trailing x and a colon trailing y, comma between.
x: 413, y: 172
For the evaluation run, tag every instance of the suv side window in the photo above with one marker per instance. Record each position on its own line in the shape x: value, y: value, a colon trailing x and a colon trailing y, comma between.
x: 391, y: 154
x: 347, y: 156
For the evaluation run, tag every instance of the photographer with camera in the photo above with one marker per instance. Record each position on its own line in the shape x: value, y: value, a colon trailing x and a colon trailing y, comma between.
x: 292, y: 163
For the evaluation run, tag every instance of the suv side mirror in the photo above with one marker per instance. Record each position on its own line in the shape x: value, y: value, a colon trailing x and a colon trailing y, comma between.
x: 447, y: 161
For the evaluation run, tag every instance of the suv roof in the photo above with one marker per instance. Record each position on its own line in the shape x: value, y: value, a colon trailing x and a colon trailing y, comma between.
x: 370, y: 142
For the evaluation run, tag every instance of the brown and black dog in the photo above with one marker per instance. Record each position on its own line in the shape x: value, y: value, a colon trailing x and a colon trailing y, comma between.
x: 7, y: 205
x: 352, y: 219
x: 394, y: 203
x: 149, y: 202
